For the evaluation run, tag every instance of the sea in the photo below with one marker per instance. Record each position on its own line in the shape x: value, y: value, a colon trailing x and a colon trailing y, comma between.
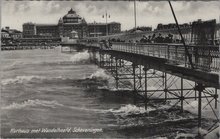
x: 54, y: 94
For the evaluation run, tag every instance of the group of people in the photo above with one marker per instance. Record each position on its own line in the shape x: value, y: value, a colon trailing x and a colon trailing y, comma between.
x: 157, y: 39
x: 150, y: 39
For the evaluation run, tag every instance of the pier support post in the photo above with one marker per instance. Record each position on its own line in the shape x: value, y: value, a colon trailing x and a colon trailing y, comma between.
x: 94, y: 57
x: 216, y: 98
x: 116, y: 72
x: 145, y: 87
x: 101, y: 58
x: 111, y: 63
x: 195, y: 93
x: 140, y: 77
x: 134, y: 82
x: 165, y: 86
x: 181, y: 93
x: 90, y: 54
x: 199, y: 88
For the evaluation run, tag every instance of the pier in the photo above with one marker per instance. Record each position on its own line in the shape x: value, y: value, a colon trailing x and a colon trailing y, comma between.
x: 166, y: 65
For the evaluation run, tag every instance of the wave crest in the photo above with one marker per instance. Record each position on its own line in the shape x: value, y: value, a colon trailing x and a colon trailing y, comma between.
x: 20, y: 79
x: 33, y: 103
x: 130, y: 109
x: 100, y: 74
x: 79, y: 57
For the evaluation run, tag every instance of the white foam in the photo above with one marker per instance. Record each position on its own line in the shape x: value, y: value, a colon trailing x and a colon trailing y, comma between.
x: 183, y: 135
x: 130, y: 109
x: 20, y: 79
x: 194, y: 105
x: 88, y: 109
x: 25, y: 79
x: 32, y: 103
x: 14, y: 64
x: 81, y: 56
x: 101, y: 74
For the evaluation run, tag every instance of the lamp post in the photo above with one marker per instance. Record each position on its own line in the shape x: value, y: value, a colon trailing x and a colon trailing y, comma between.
x: 94, y: 30
x: 106, y: 16
x: 135, y: 19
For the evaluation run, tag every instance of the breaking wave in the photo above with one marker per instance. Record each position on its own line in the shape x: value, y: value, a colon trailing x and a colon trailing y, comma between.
x: 20, y: 79
x: 130, y: 109
x: 193, y: 105
x: 32, y: 103
x: 26, y: 79
x: 80, y: 57
x: 13, y: 65
x: 100, y: 74
x: 123, y: 111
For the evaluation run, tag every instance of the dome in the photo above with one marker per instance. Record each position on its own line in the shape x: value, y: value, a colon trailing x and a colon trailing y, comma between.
x: 71, y: 14
x: 72, y: 18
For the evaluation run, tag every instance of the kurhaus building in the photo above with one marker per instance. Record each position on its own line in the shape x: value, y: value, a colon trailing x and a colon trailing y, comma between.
x: 102, y: 29
x: 68, y: 23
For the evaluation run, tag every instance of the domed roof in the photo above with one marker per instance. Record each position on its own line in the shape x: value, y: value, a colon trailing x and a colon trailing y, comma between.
x: 71, y: 14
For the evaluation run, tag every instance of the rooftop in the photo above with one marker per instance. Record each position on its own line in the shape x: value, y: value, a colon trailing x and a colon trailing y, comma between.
x: 46, y: 24
x: 96, y: 23
x: 71, y: 14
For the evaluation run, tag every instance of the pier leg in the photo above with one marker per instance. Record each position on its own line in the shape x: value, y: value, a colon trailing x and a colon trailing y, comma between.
x: 199, y: 111
x: 120, y: 63
x: 108, y: 61
x: 195, y: 93
x: 116, y: 72
x: 90, y: 55
x: 140, y: 77
x: 101, y: 58
x: 145, y: 87
x: 111, y: 63
x: 182, y: 97
x: 216, y: 98
x: 134, y: 81
x: 165, y: 86
x: 199, y: 88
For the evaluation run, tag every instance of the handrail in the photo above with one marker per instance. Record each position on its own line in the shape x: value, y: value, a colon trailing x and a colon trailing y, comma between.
x: 206, y: 58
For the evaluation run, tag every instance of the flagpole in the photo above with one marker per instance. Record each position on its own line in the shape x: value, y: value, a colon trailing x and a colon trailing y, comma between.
x: 135, y: 20
x: 219, y: 36
x: 106, y: 18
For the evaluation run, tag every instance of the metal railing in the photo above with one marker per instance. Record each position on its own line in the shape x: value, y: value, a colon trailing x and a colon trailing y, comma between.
x: 206, y: 58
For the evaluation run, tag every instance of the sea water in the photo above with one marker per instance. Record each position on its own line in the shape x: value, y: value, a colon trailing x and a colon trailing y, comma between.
x: 46, y: 93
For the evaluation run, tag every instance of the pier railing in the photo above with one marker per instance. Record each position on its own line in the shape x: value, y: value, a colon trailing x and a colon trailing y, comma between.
x: 203, y: 57
x: 206, y: 58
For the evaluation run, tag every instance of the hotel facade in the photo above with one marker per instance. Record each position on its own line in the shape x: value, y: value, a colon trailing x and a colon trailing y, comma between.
x: 67, y: 24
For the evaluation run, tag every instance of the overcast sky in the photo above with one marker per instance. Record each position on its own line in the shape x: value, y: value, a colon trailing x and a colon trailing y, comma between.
x: 15, y: 13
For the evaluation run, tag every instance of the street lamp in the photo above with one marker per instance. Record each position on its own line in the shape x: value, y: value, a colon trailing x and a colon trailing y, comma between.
x: 135, y: 20
x: 106, y: 16
x: 94, y: 30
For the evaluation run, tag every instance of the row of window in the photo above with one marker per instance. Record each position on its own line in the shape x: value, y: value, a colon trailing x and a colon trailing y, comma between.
x: 71, y: 20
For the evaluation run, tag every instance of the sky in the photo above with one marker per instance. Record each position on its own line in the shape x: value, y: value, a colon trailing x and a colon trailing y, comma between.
x: 149, y: 13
